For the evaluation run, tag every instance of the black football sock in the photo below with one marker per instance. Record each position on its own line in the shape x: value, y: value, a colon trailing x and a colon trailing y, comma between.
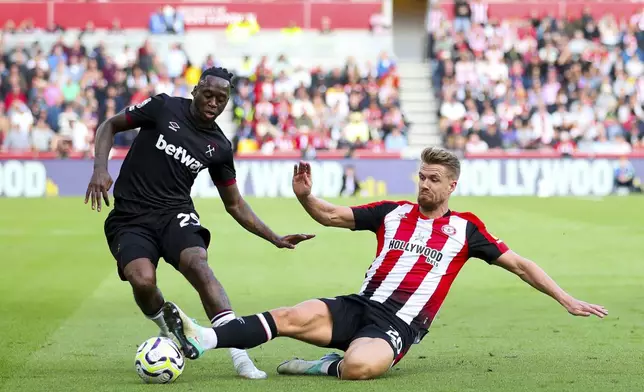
x: 334, y: 369
x: 246, y: 332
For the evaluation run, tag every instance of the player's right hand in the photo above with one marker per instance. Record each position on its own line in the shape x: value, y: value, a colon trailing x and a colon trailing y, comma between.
x: 585, y: 309
x: 302, y: 182
x: 99, y: 184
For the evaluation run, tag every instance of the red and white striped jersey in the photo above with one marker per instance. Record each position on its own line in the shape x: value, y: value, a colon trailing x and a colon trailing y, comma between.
x: 418, y: 258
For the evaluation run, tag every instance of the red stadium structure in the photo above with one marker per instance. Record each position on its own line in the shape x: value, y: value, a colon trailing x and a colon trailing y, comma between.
x: 273, y: 13
x: 211, y: 14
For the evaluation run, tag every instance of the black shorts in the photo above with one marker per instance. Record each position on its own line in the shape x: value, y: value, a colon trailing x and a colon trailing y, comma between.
x: 357, y: 317
x: 153, y: 235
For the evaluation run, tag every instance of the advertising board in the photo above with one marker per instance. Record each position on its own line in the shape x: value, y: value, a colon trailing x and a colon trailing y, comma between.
x: 379, y: 177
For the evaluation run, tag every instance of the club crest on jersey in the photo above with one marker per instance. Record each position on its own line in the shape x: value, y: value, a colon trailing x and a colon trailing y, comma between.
x: 210, y: 150
x: 180, y: 154
x: 449, y: 230
x: 174, y: 126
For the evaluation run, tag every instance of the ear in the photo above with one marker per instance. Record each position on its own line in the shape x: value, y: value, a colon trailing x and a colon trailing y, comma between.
x: 194, y: 91
x: 452, y: 186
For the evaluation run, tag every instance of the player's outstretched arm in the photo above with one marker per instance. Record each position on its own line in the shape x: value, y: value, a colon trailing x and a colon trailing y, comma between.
x: 323, y: 212
x: 532, y: 274
x: 101, y: 180
x: 239, y: 209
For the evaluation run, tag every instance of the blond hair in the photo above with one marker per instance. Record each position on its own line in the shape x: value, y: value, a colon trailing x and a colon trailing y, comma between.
x: 443, y: 157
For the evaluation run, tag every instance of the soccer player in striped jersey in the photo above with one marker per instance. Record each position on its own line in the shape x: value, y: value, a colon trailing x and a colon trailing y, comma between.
x: 421, y: 247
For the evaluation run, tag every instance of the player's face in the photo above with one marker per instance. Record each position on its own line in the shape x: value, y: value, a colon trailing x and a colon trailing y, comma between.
x: 210, y: 97
x: 435, y: 185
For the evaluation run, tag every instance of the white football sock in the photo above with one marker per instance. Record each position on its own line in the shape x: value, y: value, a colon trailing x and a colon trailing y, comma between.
x: 158, y: 320
x: 209, y: 338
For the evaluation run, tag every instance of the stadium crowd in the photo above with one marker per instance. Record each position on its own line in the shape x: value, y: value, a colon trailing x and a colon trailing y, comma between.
x: 284, y: 106
x: 53, y: 100
x: 538, y: 82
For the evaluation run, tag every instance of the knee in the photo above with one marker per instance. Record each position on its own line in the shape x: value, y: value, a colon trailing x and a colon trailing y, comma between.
x: 193, y: 257
x: 194, y: 261
x: 352, y: 369
x: 141, y: 279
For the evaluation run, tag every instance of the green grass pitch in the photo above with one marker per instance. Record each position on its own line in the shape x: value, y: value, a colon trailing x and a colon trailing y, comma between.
x: 68, y: 324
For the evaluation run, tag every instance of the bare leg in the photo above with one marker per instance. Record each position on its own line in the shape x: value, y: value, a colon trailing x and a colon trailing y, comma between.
x: 193, y: 264
x: 141, y: 275
x: 365, y: 359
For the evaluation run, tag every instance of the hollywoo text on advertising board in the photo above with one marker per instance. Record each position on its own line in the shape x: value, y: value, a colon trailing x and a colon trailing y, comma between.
x: 379, y: 177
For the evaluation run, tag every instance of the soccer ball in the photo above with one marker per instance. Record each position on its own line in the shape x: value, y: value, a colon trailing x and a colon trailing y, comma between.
x: 159, y: 361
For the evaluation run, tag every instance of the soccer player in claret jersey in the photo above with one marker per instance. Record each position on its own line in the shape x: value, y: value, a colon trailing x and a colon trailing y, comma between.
x: 421, y: 247
x: 154, y: 215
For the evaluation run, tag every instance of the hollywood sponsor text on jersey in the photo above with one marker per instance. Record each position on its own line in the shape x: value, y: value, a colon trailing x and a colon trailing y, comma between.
x: 180, y: 154
x: 432, y: 256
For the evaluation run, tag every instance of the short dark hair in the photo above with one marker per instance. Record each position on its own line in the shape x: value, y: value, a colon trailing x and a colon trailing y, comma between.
x: 218, y: 72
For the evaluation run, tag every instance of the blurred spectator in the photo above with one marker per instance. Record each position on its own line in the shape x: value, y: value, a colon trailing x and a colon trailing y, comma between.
x: 475, y: 144
x: 167, y: 21
x: 565, y: 146
x: 292, y: 29
x: 462, y: 13
x: 4, y: 123
x: 326, y: 26
x: 43, y: 137
x: 379, y: 23
x: 242, y: 30
x: 385, y: 64
x: 176, y: 61
x: 395, y: 141
x: 625, y: 177
x: 16, y: 139
x: 350, y: 182
x: 433, y: 21
x: 538, y: 83
x: 76, y: 133
x: 356, y: 131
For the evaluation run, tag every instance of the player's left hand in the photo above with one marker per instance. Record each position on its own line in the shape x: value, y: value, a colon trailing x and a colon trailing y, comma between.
x: 289, y: 241
x: 581, y: 308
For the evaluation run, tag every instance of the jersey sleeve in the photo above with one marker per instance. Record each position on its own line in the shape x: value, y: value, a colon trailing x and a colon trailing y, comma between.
x: 481, y: 244
x: 371, y: 216
x: 146, y: 112
x: 223, y: 173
